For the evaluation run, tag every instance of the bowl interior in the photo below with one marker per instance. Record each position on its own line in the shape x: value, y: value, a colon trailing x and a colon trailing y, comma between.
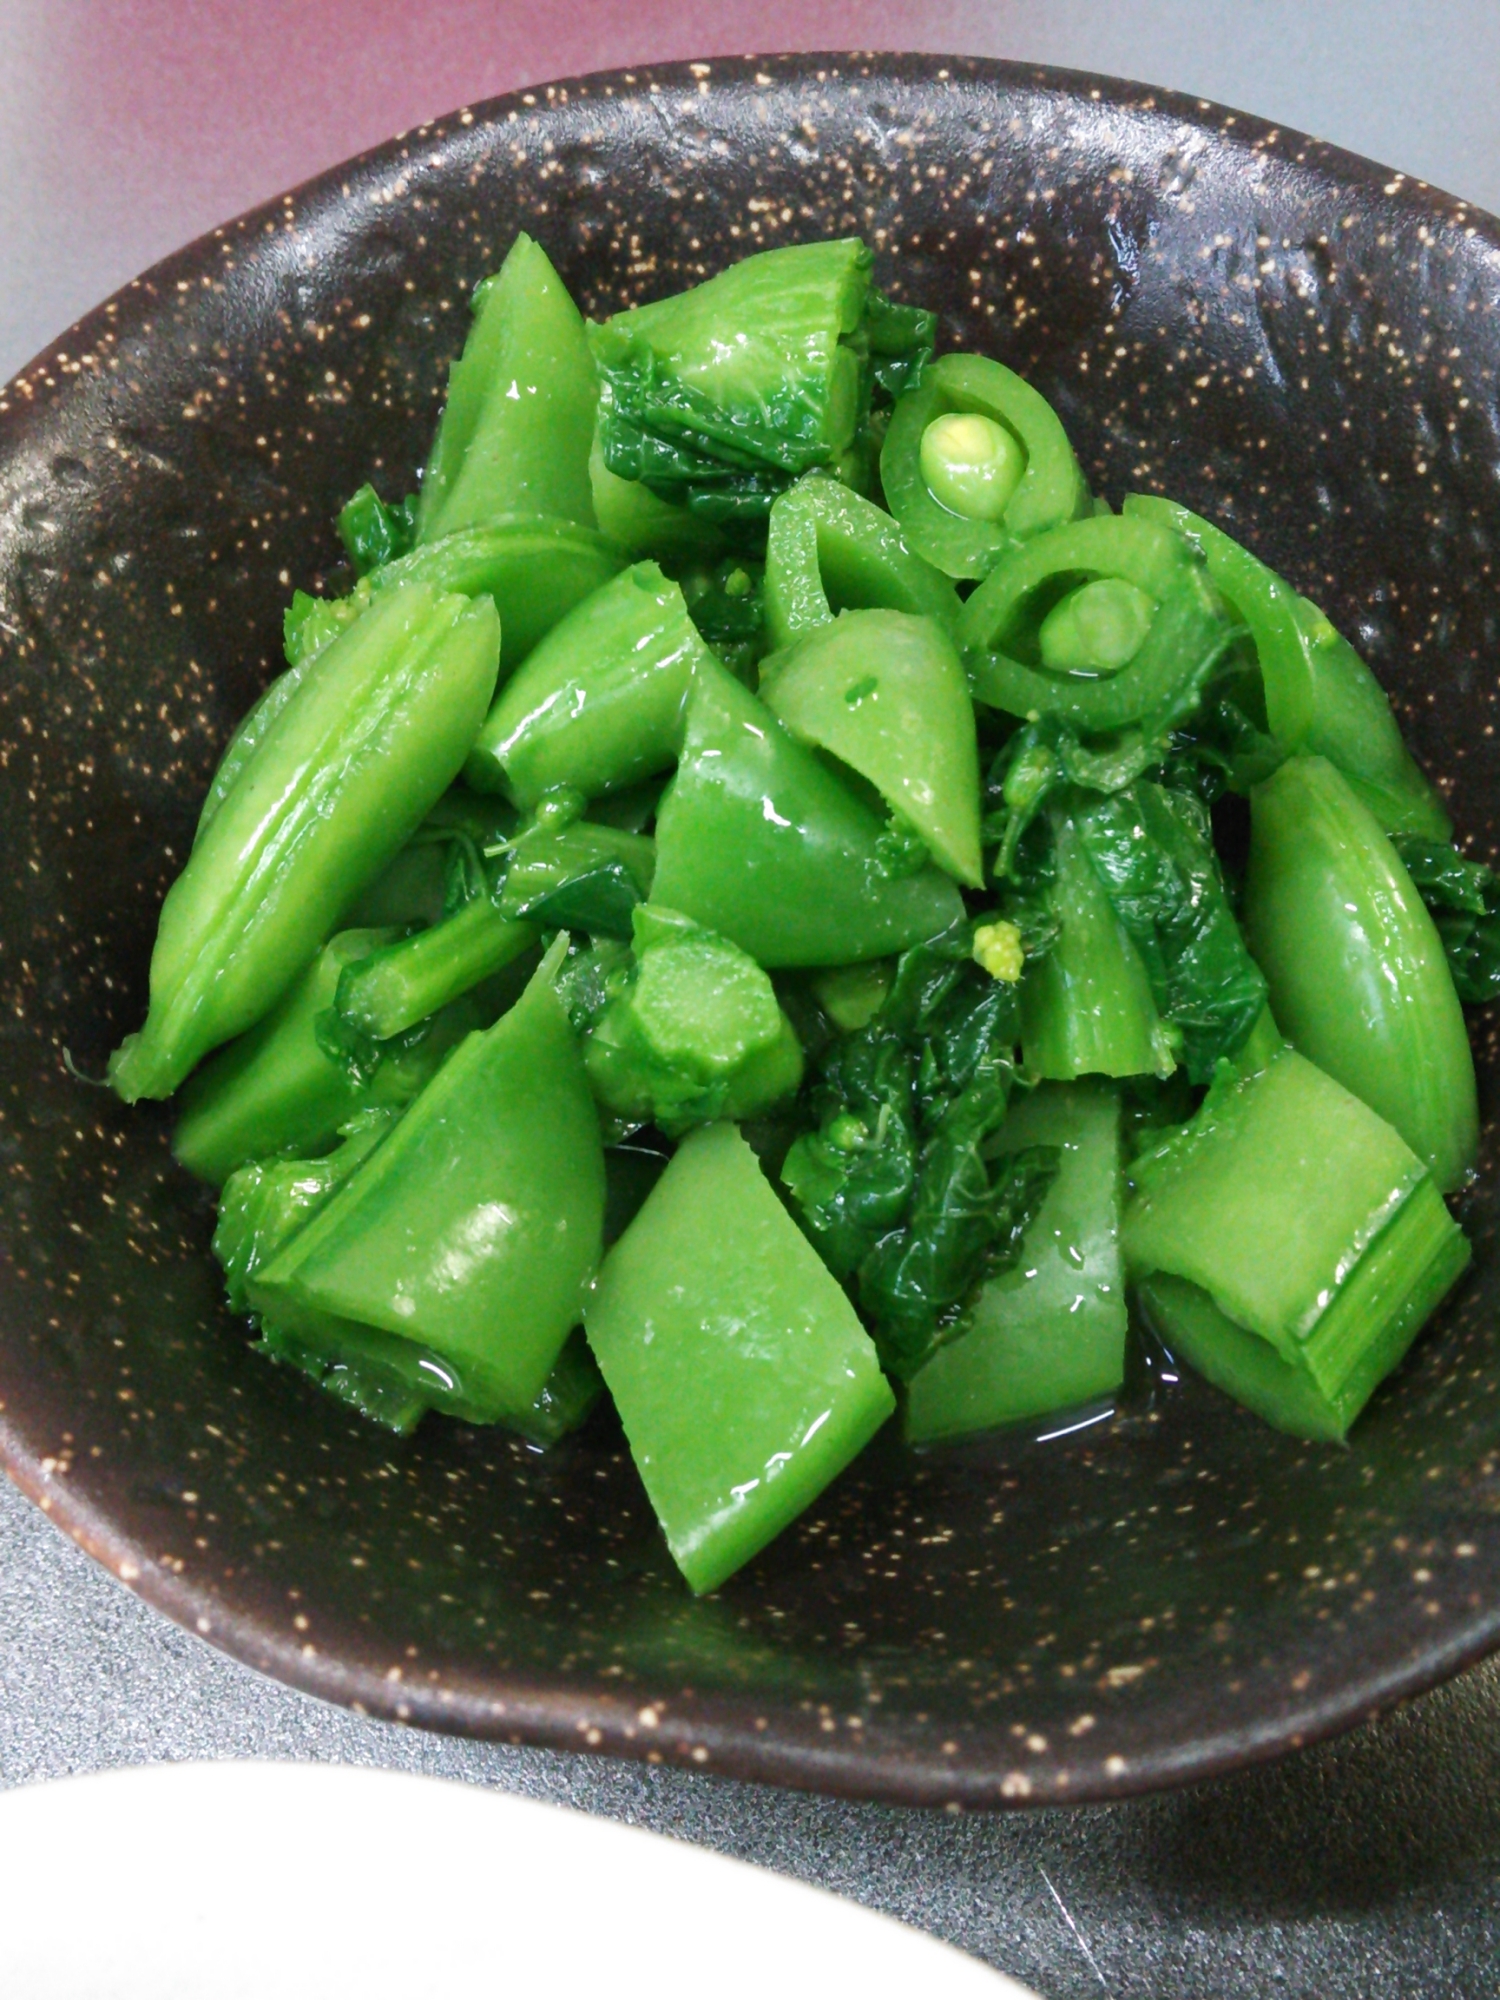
x: 1264, y: 328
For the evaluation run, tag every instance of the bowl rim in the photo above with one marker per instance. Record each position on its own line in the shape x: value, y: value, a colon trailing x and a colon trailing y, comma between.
x: 557, y: 1717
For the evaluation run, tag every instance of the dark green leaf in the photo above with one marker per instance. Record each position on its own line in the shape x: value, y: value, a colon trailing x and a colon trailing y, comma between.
x: 1464, y: 898
x: 373, y: 533
x: 1151, y: 848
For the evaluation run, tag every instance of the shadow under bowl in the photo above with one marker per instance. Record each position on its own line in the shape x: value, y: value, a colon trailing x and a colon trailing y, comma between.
x: 1287, y: 338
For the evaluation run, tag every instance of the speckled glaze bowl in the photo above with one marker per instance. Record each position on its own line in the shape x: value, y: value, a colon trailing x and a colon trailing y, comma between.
x: 1292, y: 340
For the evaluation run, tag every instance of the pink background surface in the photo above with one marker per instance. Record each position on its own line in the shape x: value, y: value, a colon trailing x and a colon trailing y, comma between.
x: 129, y: 126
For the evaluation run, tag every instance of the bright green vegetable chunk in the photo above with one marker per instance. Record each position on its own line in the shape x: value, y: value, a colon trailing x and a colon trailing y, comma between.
x: 394, y: 1382
x: 852, y: 995
x: 476, y: 1227
x: 756, y: 840
x: 368, y: 741
x: 1086, y: 1002
x: 1320, y: 697
x: 397, y: 984
x: 886, y: 694
x: 1358, y: 978
x: 743, y: 1378
x: 1249, y: 1369
x: 692, y: 1033
x: 719, y: 396
x: 1050, y: 488
x: 599, y: 704
x: 535, y: 568
x: 971, y: 464
x: 279, y: 1086
x: 1097, y: 628
x: 1304, y: 1216
x: 265, y: 1202
x: 1002, y: 624
x: 515, y: 431
x: 828, y: 550
x: 1049, y: 1333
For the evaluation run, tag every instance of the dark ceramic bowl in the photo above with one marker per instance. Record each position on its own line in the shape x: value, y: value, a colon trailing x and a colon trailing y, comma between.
x: 1293, y: 341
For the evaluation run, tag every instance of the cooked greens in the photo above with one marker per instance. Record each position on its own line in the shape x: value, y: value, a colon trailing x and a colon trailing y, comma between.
x: 765, y: 902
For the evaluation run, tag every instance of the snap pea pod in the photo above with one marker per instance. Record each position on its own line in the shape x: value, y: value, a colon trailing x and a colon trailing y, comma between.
x: 1049, y: 1333
x: 598, y: 706
x: 1308, y: 1223
x: 755, y: 839
x: 519, y: 417
x: 1358, y: 977
x: 1022, y: 480
x: 743, y: 1378
x: 885, y: 693
x: 1002, y: 624
x: 475, y: 1228
x: 393, y: 1382
x: 535, y: 568
x: 829, y: 550
x: 364, y: 746
x: 1321, y: 699
x: 279, y: 1086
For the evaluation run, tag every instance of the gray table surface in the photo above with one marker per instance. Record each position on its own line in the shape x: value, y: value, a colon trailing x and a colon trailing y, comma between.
x: 1369, y: 1867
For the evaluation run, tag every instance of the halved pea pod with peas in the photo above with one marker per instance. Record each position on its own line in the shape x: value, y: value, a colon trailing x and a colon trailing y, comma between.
x: 1101, y: 623
x: 976, y: 461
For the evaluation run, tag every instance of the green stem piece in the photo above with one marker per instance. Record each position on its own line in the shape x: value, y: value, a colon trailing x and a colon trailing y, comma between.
x: 278, y: 1087
x: 1086, y: 1002
x: 399, y: 984
x: 1305, y: 1218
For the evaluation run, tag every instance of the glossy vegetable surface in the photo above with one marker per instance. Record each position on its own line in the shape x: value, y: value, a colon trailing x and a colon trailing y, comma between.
x: 741, y: 1373
x: 828, y: 550
x: 283, y: 1085
x: 1049, y: 1333
x: 757, y: 840
x: 516, y: 427
x: 1320, y: 697
x: 368, y: 741
x: 475, y: 1228
x: 884, y: 692
x: 1358, y: 977
x: 1305, y: 1218
x: 1049, y: 491
x: 599, y: 704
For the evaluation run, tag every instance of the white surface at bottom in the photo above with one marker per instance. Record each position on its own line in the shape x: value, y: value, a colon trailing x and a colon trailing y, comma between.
x: 226, y: 1881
